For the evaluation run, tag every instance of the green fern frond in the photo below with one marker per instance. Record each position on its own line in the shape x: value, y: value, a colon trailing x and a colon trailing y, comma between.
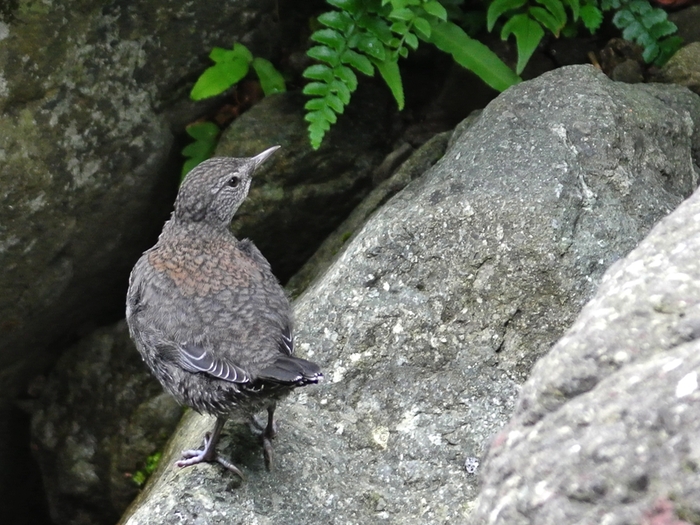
x: 364, y: 35
x: 646, y: 25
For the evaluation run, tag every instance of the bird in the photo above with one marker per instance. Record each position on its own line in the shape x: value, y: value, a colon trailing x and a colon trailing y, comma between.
x: 209, y: 317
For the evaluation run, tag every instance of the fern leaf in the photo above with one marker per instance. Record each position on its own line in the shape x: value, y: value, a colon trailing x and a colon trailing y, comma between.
x: 498, y: 7
x: 528, y: 34
x: 436, y: 9
x: 271, y: 80
x: 472, y: 54
x: 389, y: 70
x: 591, y: 17
x: 556, y: 8
x: 546, y: 18
x: 329, y: 37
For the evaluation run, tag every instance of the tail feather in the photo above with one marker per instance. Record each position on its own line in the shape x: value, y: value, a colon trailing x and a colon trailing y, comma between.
x: 290, y: 370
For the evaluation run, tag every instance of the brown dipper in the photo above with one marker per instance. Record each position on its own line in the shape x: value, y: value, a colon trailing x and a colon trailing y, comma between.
x: 208, y: 316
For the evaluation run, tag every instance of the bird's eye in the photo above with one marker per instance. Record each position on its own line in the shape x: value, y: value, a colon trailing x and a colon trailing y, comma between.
x: 234, y: 181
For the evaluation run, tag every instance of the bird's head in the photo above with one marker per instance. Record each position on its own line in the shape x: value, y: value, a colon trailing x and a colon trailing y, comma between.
x: 212, y: 192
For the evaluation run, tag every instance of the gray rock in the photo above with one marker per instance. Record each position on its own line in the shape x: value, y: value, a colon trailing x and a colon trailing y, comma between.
x: 684, y: 68
x: 688, y: 22
x: 418, y: 163
x: 305, y: 194
x: 607, y: 428
x: 435, y: 311
x: 101, y: 415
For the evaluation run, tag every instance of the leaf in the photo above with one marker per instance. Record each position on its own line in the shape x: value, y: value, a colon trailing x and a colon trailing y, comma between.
x: 436, y: 9
x: 329, y: 37
x: 497, y: 8
x: 335, y: 103
x: 411, y: 41
x: 370, y: 45
x: 318, y: 89
x: 650, y: 52
x: 575, y: 7
x: 556, y: 8
x: 623, y: 18
x: 668, y: 46
x: 315, y: 104
x: 337, y: 20
x: 422, y: 26
x: 219, y: 54
x: 351, y: 6
x: 203, y: 131
x: 318, y: 118
x: 324, y: 54
x: 198, y: 149
x: 271, y: 80
x: 404, y: 14
x: 545, y: 18
x: 347, y: 75
x: 662, y: 29
x: 205, y: 135
x: 641, y: 7
x: 400, y: 28
x: 377, y: 26
x: 341, y: 90
x: 656, y: 16
x: 633, y: 31
x: 241, y: 52
x: 315, y: 136
x: 592, y: 17
x: 607, y: 5
x: 528, y: 34
x: 218, y: 78
x: 358, y: 61
x: 389, y: 69
x: 472, y: 54
x: 319, y: 72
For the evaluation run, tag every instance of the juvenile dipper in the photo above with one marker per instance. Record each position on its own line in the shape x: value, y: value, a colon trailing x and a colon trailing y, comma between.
x: 208, y: 316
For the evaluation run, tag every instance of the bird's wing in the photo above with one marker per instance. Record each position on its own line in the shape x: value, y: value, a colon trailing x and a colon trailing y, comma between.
x: 194, y: 358
x: 287, y: 341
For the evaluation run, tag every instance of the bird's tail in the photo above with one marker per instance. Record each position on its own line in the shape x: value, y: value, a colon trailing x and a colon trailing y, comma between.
x: 293, y: 371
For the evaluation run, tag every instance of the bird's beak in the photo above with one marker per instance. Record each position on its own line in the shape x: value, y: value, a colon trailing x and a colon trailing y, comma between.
x: 262, y: 157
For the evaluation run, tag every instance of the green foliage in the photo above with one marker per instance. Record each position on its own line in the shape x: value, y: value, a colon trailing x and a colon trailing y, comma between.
x: 205, y: 135
x: 528, y: 22
x: 648, y: 26
x: 231, y: 66
x: 364, y: 35
x: 638, y: 20
x: 140, y: 477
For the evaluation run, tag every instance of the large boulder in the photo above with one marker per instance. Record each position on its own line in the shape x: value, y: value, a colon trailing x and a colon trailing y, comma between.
x: 434, y: 313
x: 607, y: 428
x: 100, y: 417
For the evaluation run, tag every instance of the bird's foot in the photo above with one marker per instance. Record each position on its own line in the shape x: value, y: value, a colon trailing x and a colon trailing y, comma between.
x: 208, y: 455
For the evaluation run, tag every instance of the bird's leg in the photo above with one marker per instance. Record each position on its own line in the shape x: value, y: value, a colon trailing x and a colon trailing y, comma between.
x: 209, y: 454
x: 268, y: 435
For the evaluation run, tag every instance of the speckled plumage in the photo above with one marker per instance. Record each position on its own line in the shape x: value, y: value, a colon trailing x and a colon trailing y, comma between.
x: 206, y: 313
